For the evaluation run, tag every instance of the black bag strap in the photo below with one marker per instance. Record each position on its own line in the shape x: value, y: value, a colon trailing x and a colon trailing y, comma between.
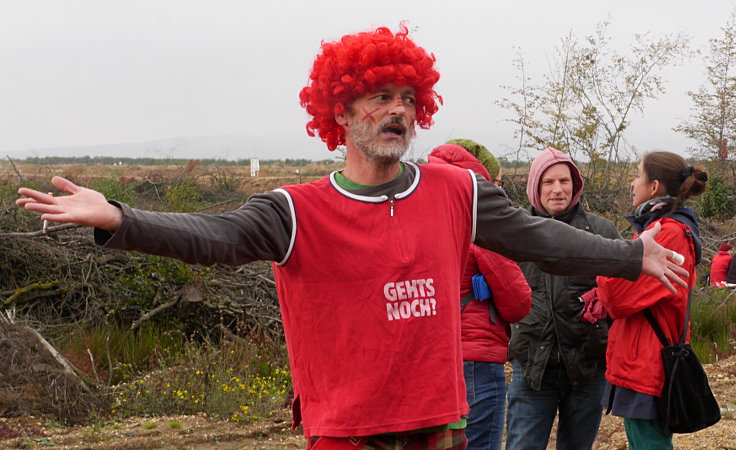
x: 660, y: 334
x: 469, y: 297
x: 610, y: 399
x: 465, y: 300
x: 658, y: 331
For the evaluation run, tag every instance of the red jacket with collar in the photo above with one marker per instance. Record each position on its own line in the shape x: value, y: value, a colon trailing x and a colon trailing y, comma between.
x: 633, y: 354
x: 719, y: 268
x: 483, y: 340
x: 512, y: 297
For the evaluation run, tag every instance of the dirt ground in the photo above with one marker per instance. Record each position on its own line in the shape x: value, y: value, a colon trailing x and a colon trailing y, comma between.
x: 196, y: 432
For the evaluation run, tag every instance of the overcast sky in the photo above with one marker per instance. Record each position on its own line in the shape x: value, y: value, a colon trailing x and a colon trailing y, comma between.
x: 91, y: 72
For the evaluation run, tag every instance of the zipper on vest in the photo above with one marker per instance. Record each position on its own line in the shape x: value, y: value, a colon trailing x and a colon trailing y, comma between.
x: 399, y: 232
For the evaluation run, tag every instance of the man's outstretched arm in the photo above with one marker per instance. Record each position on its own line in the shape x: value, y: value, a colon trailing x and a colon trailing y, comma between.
x: 260, y: 229
x: 560, y: 249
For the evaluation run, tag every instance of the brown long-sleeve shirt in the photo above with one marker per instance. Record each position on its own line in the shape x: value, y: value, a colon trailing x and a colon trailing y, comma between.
x: 261, y: 229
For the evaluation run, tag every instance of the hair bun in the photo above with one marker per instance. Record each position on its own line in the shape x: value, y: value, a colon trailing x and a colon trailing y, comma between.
x: 686, y: 172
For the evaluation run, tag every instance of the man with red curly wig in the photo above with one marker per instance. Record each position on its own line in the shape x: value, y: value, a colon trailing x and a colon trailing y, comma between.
x: 367, y: 260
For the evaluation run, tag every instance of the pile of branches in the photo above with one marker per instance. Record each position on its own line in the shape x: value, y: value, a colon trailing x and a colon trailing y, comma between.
x: 60, y: 281
x: 37, y: 380
x: 57, y: 281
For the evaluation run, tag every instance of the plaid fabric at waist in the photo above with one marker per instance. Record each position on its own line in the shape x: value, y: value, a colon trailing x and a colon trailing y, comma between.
x: 437, y: 440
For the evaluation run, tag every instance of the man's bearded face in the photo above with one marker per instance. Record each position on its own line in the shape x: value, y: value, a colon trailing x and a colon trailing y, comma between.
x: 381, y: 123
x: 368, y: 138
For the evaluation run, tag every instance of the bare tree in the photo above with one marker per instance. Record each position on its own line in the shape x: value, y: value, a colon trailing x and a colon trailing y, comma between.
x: 523, y: 109
x: 584, y: 105
x: 712, y: 123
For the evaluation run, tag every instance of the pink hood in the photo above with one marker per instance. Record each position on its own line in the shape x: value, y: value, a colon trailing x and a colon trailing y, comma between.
x: 546, y: 158
x: 457, y: 156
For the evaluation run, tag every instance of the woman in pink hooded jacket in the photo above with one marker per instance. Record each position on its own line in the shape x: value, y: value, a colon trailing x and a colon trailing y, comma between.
x: 485, y: 324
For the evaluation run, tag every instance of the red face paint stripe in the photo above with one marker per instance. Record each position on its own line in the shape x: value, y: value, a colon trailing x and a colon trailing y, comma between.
x: 369, y: 114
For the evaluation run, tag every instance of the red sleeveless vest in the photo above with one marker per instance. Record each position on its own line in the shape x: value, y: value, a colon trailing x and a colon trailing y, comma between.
x: 369, y: 295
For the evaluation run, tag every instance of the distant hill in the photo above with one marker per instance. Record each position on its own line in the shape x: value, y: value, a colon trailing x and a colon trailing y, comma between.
x: 234, y: 147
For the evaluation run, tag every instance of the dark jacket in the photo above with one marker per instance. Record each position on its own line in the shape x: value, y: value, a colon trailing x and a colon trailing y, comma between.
x: 731, y: 277
x: 552, y: 333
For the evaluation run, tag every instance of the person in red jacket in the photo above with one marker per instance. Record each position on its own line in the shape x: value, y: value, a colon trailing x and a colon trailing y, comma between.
x: 635, y: 371
x: 719, y: 266
x: 485, y: 323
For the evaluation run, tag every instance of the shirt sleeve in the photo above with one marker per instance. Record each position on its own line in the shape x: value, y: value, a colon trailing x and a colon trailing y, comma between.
x: 556, y: 247
x: 258, y: 230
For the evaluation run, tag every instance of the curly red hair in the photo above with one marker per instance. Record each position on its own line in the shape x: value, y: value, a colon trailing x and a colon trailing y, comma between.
x: 360, y: 63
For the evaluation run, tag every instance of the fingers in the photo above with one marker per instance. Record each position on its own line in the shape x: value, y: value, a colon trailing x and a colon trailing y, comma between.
x: 674, y: 273
x: 43, y: 202
x: 677, y: 258
x: 680, y: 282
x: 65, y: 185
x: 677, y: 270
x: 43, y: 208
x: 666, y: 282
x: 61, y: 218
x: 32, y: 195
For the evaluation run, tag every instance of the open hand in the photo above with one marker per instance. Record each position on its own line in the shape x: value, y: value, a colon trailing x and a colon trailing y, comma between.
x: 84, y: 206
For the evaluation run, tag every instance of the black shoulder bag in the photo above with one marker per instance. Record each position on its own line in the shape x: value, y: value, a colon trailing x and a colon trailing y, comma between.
x: 687, y: 403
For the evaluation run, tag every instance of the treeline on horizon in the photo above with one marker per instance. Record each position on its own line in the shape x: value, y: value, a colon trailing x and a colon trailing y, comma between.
x: 505, y: 162
x: 113, y: 160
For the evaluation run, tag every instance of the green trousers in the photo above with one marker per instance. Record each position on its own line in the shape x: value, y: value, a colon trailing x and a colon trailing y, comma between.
x: 646, y: 435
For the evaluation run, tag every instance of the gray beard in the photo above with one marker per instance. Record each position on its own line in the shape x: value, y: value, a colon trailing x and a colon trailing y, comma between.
x: 384, y: 154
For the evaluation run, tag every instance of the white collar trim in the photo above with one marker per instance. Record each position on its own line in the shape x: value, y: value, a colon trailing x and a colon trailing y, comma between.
x: 380, y: 198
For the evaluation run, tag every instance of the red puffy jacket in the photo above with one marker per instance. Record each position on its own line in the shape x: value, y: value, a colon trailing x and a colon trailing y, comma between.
x: 633, y: 355
x: 719, y: 268
x: 483, y: 340
x: 512, y: 299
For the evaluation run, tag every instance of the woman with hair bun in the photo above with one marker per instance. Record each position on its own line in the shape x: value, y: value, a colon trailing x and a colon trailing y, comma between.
x: 635, y: 371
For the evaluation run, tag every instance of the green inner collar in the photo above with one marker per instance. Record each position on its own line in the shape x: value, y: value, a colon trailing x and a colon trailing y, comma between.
x: 351, y: 185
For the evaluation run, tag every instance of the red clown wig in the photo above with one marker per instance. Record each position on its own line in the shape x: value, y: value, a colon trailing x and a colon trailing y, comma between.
x: 360, y: 63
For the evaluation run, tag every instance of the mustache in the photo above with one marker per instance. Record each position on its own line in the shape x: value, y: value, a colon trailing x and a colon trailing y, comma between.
x: 392, y: 124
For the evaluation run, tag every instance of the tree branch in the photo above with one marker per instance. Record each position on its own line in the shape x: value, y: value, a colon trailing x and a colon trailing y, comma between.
x: 66, y: 226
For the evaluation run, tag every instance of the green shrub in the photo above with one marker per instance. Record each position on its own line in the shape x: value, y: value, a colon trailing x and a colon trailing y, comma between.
x: 226, y: 382
x: 712, y: 320
x: 719, y: 199
x: 184, y: 197
x: 131, y: 352
x: 145, y: 275
x: 224, y: 182
x: 112, y: 189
